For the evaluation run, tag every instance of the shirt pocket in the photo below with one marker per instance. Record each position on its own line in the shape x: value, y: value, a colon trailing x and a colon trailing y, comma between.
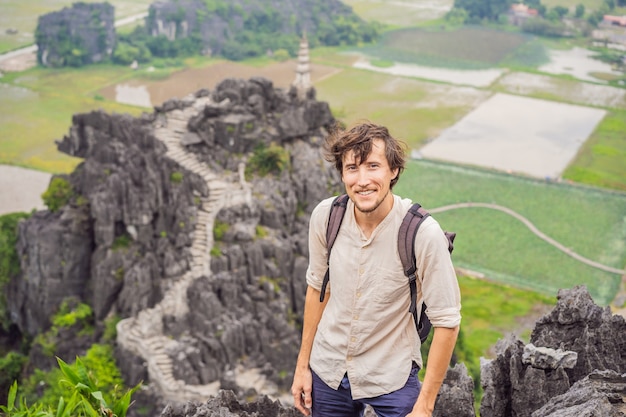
x: 391, y: 286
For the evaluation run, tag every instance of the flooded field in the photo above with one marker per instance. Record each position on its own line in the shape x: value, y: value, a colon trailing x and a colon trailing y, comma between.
x: 517, y: 134
x: 476, y: 78
x: 145, y: 93
x: 566, y: 90
x: 21, y: 189
x: 578, y: 63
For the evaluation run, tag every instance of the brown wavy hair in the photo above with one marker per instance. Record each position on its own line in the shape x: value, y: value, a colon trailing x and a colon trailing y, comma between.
x: 359, y: 139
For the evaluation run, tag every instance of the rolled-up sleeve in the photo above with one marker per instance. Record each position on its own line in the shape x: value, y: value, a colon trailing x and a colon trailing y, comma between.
x: 439, y: 285
x: 317, y: 244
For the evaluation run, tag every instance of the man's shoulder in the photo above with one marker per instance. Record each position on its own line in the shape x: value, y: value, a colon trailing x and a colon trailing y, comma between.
x: 323, y: 208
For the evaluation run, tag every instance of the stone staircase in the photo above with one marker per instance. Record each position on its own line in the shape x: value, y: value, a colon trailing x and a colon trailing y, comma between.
x: 143, y: 334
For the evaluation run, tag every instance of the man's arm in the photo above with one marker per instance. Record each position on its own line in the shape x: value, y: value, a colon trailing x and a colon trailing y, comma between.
x: 302, y: 379
x: 439, y: 357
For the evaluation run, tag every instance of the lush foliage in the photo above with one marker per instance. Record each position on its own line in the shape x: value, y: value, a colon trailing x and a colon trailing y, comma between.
x: 544, y: 27
x: 92, y: 386
x: 263, y: 29
x: 9, y: 260
x: 272, y: 159
x: 478, y: 10
x: 58, y: 194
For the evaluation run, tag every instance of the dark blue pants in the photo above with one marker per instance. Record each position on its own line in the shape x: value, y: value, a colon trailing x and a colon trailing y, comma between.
x: 328, y: 402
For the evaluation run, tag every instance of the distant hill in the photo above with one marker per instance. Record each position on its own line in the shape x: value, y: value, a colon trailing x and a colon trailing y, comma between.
x: 238, y: 29
x: 77, y: 35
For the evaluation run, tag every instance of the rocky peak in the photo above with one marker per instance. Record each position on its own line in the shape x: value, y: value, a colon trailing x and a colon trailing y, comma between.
x: 77, y: 35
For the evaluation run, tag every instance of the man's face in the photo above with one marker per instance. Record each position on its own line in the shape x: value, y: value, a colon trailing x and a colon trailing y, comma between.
x: 368, y: 182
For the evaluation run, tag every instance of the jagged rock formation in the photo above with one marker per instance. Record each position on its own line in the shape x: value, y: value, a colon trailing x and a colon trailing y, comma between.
x: 577, y: 341
x: 533, y: 380
x: 77, y: 35
x: 137, y: 238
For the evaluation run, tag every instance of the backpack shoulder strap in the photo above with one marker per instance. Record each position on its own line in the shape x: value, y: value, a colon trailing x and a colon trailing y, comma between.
x: 337, y: 211
x: 406, y: 246
x: 406, y: 249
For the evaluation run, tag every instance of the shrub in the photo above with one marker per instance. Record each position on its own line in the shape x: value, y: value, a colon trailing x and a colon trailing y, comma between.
x: 176, y: 177
x: 266, y: 160
x: 90, y: 387
x: 219, y: 230
x: 58, y: 194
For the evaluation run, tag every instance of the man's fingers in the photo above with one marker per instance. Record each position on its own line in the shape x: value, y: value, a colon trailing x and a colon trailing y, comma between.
x: 303, y: 402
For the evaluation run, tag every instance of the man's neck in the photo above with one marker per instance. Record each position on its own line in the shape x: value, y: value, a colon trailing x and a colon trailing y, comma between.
x: 368, y: 221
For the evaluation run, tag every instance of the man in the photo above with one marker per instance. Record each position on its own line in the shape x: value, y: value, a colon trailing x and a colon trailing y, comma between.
x: 360, y: 345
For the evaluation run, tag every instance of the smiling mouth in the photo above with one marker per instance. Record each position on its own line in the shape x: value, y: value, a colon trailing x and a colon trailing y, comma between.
x: 365, y: 193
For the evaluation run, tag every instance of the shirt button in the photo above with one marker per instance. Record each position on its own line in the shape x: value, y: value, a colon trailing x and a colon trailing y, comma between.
x: 356, y: 317
x: 358, y: 295
x: 349, y: 358
x: 353, y: 339
x: 361, y: 271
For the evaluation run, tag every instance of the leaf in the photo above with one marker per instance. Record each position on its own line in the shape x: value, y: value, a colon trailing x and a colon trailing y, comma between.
x: 12, y: 396
x: 68, y: 372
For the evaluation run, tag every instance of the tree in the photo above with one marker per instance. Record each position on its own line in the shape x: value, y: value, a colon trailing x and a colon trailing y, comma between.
x: 580, y: 11
x: 484, y: 9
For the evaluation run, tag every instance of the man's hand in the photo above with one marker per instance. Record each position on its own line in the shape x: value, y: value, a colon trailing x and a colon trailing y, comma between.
x: 301, y: 391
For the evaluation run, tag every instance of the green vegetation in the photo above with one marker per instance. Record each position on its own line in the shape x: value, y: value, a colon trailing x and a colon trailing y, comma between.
x: 9, y: 260
x: 600, y: 161
x: 79, y: 316
x: 92, y: 386
x: 67, y: 316
x: 58, y: 194
x: 265, y: 160
x: 491, y: 311
x: 501, y: 247
x: 176, y: 177
x: 219, y: 230
x: 122, y: 241
x: 36, y: 107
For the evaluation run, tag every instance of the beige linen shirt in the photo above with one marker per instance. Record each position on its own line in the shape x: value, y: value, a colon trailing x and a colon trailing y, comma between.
x: 366, y: 329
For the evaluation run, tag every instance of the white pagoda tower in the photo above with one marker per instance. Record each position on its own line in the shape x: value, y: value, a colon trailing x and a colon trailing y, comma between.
x: 302, y: 83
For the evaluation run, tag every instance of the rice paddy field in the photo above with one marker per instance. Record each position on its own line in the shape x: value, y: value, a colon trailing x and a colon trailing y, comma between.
x: 589, y: 221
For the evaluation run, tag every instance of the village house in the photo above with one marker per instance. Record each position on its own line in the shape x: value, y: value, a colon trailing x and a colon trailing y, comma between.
x: 520, y: 13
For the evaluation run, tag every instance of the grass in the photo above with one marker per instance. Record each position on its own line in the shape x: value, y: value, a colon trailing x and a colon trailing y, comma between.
x: 491, y: 310
x: 501, y: 247
x: 600, y: 161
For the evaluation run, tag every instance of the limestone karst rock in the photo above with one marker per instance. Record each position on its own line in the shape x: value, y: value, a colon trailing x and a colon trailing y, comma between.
x: 77, y: 35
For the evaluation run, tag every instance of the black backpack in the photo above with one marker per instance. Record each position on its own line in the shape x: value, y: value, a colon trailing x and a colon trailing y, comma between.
x: 406, y: 240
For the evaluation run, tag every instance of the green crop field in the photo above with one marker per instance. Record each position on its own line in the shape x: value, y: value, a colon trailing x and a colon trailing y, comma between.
x: 589, y: 221
x: 36, y: 108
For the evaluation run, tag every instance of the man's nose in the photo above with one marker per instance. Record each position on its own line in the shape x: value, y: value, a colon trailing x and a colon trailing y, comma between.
x: 363, y: 177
